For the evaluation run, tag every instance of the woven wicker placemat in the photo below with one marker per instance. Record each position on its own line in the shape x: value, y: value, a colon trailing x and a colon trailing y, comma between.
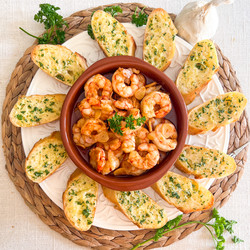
x: 49, y: 212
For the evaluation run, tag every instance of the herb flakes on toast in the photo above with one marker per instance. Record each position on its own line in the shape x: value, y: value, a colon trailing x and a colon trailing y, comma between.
x: 159, y: 39
x: 59, y: 62
x: 35, y: 110
x: 79, y: 200
x: 47, y: 155
x: 185, y: 194
x: 200, y: 66
x: 111, y: 35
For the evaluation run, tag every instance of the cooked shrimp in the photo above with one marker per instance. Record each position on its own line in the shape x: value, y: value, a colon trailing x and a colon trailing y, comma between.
x: 156, y: 104
x: 103, y: 162
x: 106, y: 109
x: 93, y: 127
x: 153, y: 122
x: 142, y: 80
x: 81, y: 140
x: 85, y: 107
x: 147, y: 162
x: 125, y: 82
x: 141, y: 136
x: 128, y: 143
x: 76, y: 130
x: 127, y: 168
x: 88, y: 132
x: 94, y: 108
x: 114, y: 144
x: 123, y: 103
x: 98, y: 87
x: 164, y: 136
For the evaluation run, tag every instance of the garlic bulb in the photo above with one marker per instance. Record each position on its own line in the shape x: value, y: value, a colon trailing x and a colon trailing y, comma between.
x: 198, y: 20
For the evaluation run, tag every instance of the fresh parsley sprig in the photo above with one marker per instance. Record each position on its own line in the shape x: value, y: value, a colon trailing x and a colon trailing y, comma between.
x: 113, y: 10
x: 139, y: 19
x: 115, y: 122
x: 216, y: 229
x: 53, y: 22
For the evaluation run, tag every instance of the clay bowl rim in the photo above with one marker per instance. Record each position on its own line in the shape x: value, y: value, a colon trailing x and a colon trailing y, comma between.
x: 130, y: 183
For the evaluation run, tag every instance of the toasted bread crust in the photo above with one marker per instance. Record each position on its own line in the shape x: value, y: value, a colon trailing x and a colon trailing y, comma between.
x: 215, y: 113
x: 35, y: 110
x: 159, y: 44
x: 111, y: 35
x: 183, y: 193
x: 205, y: 163
x: 46, y: 156
x: 59, y: 62
x: 79, y: 200
x: 200, y: 66
x: 135, y: 205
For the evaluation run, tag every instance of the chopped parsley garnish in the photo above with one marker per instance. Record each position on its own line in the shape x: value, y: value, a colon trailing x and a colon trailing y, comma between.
x: 115, y: 122
x: 86, y: 212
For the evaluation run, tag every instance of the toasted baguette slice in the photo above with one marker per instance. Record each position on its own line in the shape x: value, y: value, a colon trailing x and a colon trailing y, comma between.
x: 59, y: 62
x: 35, y: 110
x: 111, y: 35
x: 159, y: 44
x: 47, y: 155
x: 138, y: 207
x: 205, y: 163
x: 185, y: 194
x: 200, y: 66
x: 79, y: 200
x: 215, y: 113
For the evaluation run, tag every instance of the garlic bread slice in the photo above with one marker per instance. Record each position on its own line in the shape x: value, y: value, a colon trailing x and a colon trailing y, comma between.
x: 200, y: 66
x: 79, y: 200
x: 47, y: 155
x: 35, y: 110
x: 59, y: 62
x: 185, y: 194
x: 215, y: 113
x: 205, y: 163
x: 138, y: 207
x: 159, y: 39
x: 111, y: 35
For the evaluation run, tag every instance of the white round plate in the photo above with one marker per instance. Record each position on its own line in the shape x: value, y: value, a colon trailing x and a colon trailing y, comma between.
x: 106, y: 215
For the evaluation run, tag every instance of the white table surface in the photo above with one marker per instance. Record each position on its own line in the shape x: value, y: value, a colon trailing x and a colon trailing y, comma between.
x: 20, y: 227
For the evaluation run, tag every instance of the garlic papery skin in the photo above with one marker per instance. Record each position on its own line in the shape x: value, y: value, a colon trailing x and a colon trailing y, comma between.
x: 198, y: 20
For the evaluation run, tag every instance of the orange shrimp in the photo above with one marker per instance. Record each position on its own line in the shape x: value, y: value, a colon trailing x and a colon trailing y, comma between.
x: 153, y: 100
x: 147, y: 162
x: 98, y: 87
x: 164, y: 136
x: 103, y: 161
x: 125, y: 82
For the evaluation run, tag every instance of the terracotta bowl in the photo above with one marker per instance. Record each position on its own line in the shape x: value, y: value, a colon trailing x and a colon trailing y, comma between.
x: 178, y: 116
